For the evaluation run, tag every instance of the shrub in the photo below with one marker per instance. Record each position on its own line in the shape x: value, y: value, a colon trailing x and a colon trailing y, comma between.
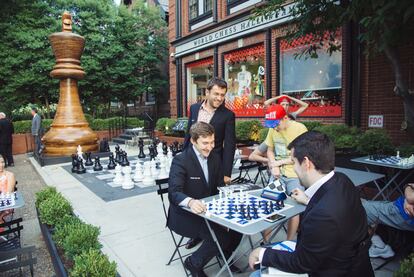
x: 62, y: 228
x: 342, y: 135
x: 248, y: 129
x: 406, y: 267
x: 76, y: 237
x: 161, y: 123
x: 133, y: 122
x: 44, y: 194
x: 93, y: 264
x: 310, y: 125
x: 53, y: 209
x: 375, y: 141
x: 406, y: 150
x: 170, y: 122
x: 23, y: 126
x: 89, y: 118
x: 263, y: 134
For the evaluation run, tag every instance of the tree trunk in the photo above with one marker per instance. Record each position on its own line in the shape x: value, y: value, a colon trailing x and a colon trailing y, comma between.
x: 108, y: 110
x: 401, y: 89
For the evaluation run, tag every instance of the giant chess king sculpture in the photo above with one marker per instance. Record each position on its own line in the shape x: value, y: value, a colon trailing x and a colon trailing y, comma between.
x: 69, y: 128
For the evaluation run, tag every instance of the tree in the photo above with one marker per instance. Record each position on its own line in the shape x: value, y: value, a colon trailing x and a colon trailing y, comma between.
x: 385, y: 25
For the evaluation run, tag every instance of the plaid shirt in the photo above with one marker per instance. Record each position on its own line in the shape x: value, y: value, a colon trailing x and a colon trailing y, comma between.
x: 204, y: 115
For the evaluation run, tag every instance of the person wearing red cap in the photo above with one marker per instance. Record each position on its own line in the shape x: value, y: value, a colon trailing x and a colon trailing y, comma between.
x: 285, y: 100
x: 281, y: 133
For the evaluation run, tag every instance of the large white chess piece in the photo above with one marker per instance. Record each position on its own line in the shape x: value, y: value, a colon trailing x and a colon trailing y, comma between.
x: 169, y: 160
x: 80, y: 153
x: 147, y: 180
x: 118, y: 180
x: 127, y: 183
x: 163, y: 172
x: 154, y: 170
x: 138, y: 176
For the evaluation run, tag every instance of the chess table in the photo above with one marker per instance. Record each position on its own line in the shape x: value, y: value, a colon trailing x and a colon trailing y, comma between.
x: 19, y: 202
x: 392, y: 184
x: 248, y: 229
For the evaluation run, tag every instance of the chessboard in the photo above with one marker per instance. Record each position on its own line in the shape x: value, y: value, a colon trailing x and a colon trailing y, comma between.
x: 7, y: 201
x: 391, y: 160
x: 244, y: 209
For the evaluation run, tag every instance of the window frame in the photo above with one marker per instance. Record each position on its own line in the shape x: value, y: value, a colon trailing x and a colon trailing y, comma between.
x: 201, y: 17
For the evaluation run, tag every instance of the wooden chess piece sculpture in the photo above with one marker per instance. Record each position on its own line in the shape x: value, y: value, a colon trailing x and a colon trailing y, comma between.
x: 69, y: 128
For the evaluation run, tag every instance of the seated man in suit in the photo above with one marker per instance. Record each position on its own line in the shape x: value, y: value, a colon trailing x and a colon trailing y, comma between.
x: 333, y: 234
x: 195, y: 174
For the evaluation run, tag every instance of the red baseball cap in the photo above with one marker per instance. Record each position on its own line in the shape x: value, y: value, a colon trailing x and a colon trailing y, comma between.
x: 283, y: 98
x: 274, y: 114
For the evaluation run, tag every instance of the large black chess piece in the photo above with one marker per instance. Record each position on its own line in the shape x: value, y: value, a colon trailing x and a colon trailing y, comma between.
x: 164, y: 148
x: 88, y: 161
x: 112, y: 163
x: 74, y: 163
x: 155, y: 142
x: 180, y: 147
x: 124, y: 160
x: 97, y: 166
x: 151, y: 152
x: 141, y: 154
x: 117, y: 153
x: 80, y: 168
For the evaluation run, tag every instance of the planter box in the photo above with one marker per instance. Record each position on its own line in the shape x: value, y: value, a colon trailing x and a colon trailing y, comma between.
x: 58, y: 266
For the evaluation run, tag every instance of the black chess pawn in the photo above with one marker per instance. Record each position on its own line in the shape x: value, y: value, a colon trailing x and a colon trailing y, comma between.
x: 271, y: 207
x: 97, y: 166
x: 2, y: 203
x: 80, y: 168
x: 111, y: 164
x: 122, y: 158
x: 88, y: 161
x: 126, y: 162
x: 180, y: 147
x: 164, y: 148
x: 74, y: 163
x: 117, y: 153
x: 151, y: 152
x: 141, y: 154
x: 248, y: 213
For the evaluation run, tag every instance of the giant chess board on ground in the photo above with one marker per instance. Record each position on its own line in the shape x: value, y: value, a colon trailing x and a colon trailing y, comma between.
x: 392, y: 160
x: 244, y: 209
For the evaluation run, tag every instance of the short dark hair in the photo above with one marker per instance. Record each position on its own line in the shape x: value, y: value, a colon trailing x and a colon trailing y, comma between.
x: 319, y: 149
x: 216, y: 81
x: 34, y: 109
x: 201, y: 129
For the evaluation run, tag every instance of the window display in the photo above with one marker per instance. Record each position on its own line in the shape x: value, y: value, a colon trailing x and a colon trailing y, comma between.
x: 245, y: 75
x: 198, y: 74
x: 317, y: 81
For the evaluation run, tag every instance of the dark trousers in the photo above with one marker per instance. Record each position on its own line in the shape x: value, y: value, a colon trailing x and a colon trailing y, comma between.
x: 37, y: 143
x: 6, y: 152
x: 228, y: 239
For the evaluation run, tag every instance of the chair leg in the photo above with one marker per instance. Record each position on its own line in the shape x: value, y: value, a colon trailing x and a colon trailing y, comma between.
x: 176, y: 249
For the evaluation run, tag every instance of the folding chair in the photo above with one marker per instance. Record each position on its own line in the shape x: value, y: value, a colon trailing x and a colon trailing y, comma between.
x: 244, y: 175
x: 262, y: 173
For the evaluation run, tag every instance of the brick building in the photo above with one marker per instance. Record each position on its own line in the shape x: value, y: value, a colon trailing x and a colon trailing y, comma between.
x: 218, y: 38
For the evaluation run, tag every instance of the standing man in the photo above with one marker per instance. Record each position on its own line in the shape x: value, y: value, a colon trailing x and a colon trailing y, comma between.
x: 213, y: 111
x: 36, y: 130
x: 6, y: 139
x: 195, y: 174
x: 333, y: 238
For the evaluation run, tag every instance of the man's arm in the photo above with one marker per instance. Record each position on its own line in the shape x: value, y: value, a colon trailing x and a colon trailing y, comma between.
x: 303, y: 105
x: 229, y: 145
x: 187, y: 134
x: 36, y: 125
x: 177, y: 179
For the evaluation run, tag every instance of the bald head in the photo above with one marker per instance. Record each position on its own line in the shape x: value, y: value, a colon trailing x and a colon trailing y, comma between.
x: 2, y: 115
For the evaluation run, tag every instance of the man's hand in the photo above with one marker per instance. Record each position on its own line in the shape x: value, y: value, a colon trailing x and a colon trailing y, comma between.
x: 300, y: 196
x: 275, y: 172
x: 227, y: 180
x: 254, y: 257
x: 197, y: 206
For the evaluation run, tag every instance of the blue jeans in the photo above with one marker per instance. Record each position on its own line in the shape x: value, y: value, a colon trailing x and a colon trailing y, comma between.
x: 255, y: 273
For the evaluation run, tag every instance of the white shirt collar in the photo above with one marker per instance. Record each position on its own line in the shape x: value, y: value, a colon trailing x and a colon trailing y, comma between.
x: 314, y: 188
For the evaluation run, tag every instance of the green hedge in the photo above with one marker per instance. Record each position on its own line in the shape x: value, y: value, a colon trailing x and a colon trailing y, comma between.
x: 93, y: 264
x: 53, y: 209
x: 248, y: 130
x: 343, y: 136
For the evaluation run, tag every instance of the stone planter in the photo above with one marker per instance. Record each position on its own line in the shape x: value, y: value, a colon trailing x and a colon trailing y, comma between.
x: 58, y: 266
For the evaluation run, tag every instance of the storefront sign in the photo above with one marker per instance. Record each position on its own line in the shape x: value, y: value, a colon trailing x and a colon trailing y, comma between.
x: 376, y: 121
x: 233, y: 31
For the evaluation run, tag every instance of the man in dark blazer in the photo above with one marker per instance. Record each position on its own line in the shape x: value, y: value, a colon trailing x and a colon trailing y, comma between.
x: 195, y: 174
x: 36, y: 130
x: 333, y: 234
x: 213, y: 110
x: 6, y: 139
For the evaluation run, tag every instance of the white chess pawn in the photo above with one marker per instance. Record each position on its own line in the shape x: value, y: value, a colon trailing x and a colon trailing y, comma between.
x: 154, y: 170
x: 147, y: 180
x: 118, y: 175
x: 127, y: 183
x: 163, y: 172
x: 138, y: 176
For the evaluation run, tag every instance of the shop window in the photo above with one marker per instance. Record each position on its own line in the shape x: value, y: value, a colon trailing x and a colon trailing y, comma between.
x: 198, y: 73
x: 200, y: 9
x: 316, y: 81
x: 244, y: 72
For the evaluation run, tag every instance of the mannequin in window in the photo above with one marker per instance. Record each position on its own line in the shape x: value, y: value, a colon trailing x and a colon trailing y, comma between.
x: 244, y: 78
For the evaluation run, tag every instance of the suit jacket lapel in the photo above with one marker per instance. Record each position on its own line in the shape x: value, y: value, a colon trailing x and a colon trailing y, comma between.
x: 197, y: 110
x: 216, y: 115
x: 198, y: 165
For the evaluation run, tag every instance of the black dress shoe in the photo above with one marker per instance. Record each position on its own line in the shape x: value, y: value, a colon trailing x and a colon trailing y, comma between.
x: 192, y: 243
x: 195, y: 272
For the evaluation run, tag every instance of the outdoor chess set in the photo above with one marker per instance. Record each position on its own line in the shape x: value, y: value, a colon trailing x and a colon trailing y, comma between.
x: 392, y: 160
x: 242, y: 208
x: 119, y: 172
x: 8, y: 200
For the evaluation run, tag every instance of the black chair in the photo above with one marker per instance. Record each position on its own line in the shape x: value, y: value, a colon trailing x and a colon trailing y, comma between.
x: 244, y: 175
x: 12, y: 256
x: 262, y: 173
x: 163, y: 190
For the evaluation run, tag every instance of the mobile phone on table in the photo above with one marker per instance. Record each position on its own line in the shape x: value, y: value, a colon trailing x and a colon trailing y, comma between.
x: 274, y: 218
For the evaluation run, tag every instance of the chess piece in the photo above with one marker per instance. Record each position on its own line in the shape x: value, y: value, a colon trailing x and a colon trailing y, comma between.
x: 180, y: 147
x: 138, y: 176
x: 127, y: 182
x: 164, y: 148
x: 117, y: 153
x: 163, y: 172
x: 79, y: 152
x: 97, y: 166
x: 122, y: 158
x: 147, y: 180
x: 88, y: 161
x: 74, y: 163
x: 80, y: 169
x: 119, y: 178
x: 141, y: 154
x: 112, y: 163
x: 126, y: 162
x: 154, y: 170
